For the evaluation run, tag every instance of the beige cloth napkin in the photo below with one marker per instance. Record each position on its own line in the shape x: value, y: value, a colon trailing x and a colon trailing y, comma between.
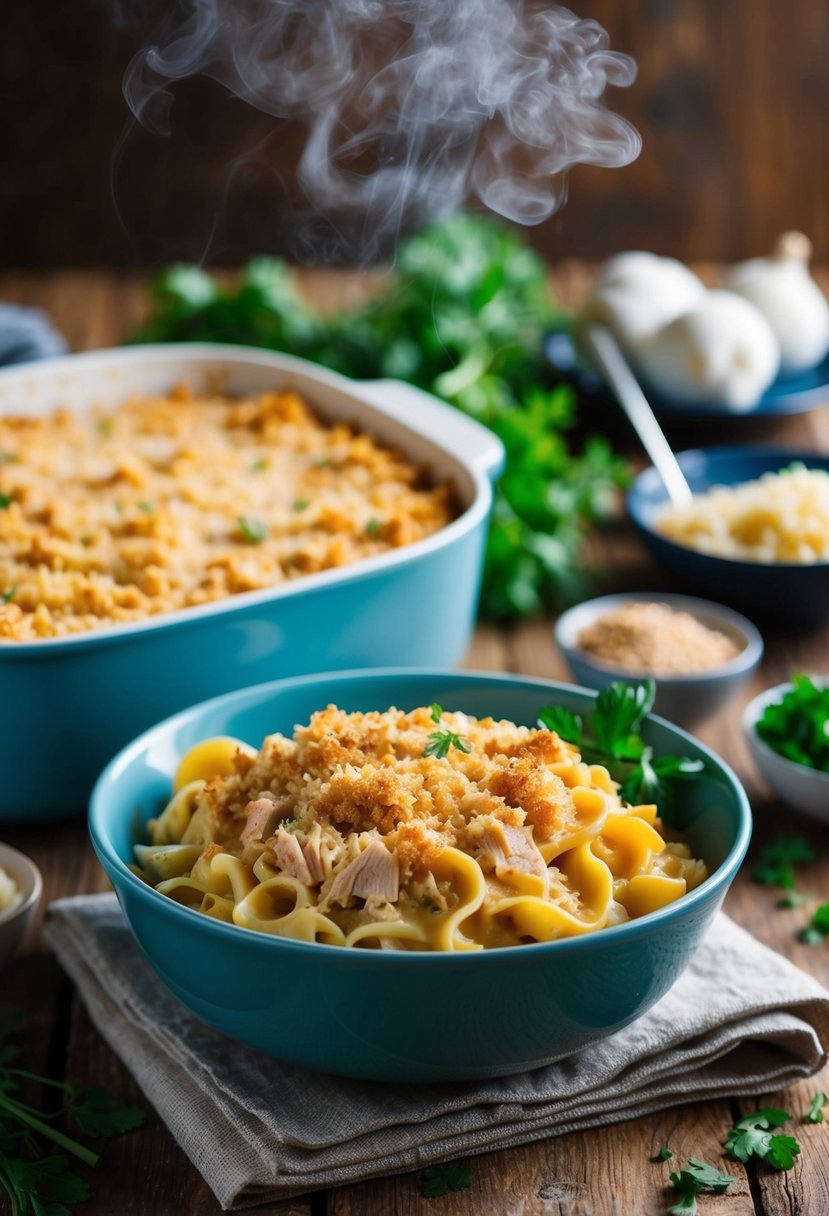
x: 740, y: 1020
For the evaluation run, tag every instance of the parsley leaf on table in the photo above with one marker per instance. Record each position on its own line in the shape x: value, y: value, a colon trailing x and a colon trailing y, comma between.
x: 463, y: 316
x: 440, y: 1179
x: 775, y: 867
x: 97, y: 1112
x: 818, y: 927
x: 696, y: 1177
x: 815, y: 1113
x: 752, y: 1136
x: 611, y: 738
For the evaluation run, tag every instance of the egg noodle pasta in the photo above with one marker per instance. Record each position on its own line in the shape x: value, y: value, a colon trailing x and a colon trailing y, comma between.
x: 418, y: 830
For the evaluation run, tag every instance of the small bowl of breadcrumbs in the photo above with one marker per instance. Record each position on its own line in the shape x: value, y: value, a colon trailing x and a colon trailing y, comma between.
x: 699, y: 654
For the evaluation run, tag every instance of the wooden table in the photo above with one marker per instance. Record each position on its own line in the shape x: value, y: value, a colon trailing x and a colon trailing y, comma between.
x: 605, y: 1172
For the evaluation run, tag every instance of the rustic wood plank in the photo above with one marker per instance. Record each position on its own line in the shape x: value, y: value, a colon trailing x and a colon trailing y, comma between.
x: 602, y: 1172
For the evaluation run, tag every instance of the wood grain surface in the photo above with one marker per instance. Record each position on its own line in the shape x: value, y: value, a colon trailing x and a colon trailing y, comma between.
x: 604, y: 1172
x: 730, y: 101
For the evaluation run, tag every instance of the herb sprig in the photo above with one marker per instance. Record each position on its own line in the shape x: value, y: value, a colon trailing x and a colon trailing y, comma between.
x: 693, y: 1179
x: 35, y: 1179
x: 440, y: 741
x: 775, y: 866
x: 611, y: 737
x: 464, y: 316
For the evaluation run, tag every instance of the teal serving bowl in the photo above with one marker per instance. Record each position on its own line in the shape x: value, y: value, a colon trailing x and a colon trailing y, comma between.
x: 408, y: 1016
x: 69, y: 703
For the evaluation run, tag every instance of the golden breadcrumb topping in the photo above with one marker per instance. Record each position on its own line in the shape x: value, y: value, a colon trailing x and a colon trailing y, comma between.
x: 169, y: 502
x: 358, y: 772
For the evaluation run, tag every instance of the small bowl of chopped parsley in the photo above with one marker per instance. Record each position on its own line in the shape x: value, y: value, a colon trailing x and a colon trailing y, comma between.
x: 787, y: 730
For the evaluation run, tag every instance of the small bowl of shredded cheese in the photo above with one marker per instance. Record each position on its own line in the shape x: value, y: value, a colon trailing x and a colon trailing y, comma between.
x: 697, y: 653
x: 20, y: 890
x: 755, y: 533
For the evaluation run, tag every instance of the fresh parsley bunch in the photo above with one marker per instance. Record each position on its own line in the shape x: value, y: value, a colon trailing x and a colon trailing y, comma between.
x: 35, y: 1178
x: 611, y: 737
x: 463, y: 316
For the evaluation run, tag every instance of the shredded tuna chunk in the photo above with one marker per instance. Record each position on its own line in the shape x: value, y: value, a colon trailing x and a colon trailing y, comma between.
x: 374, y: 874
x: 290, y: 857
x: 263, y: 816
x: 508, y: 849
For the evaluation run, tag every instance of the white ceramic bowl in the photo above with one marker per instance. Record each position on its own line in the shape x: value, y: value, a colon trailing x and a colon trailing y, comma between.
x: 685, y: 700
x: 798, y: 786
x: 15, y: 921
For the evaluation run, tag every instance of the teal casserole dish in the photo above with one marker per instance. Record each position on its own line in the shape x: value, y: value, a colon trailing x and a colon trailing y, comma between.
x: 408, y: 1016
x: 69, y: 703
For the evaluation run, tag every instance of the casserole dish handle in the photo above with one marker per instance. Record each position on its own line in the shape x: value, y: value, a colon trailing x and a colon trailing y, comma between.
x: 468, y: 439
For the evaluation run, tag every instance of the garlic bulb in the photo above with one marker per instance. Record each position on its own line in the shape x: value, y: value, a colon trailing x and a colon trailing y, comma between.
x: 637, y: 293
x: 790, y: 300
x: 720, y: 352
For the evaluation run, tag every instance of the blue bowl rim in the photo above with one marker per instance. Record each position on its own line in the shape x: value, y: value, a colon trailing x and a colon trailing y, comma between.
x: 742, y: 663
x: 639, y: 511
x: 720, y: 879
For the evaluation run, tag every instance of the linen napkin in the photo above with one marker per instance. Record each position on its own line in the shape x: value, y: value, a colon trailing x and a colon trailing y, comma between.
x: 740, y: 1020
x: 27, y: 333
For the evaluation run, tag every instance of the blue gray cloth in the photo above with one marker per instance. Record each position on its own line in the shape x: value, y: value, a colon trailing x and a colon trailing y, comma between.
x: 26, y: 334
x: 741, y: 1021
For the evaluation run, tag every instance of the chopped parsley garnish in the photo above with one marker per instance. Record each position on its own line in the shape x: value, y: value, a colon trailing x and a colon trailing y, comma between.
x: 374, y: 527
x: 104, y: 425
x: 775, y: 867
x: 86, y: 540
x: 36, y: 1179
x: 9, y: 595
x: 815, y: 1113
x: 6, y: 500
x: 664, y: 1154
x: 693, y: 1179
x: 818, y: 927
x: 259, y: 465
x: 254, y: 530
x: 797, y: 726
x: 441, y: 1179
x: 8, y: 457
x: 611, y: 738
x: 753, y: 1136
x: 440, y: 741
x: 301, y: 504
x: 794, y: 899
x: 146, y: 506
x: 324, y: 462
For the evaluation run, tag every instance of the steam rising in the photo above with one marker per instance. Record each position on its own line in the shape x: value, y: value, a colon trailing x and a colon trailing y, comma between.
x: 413, y: 106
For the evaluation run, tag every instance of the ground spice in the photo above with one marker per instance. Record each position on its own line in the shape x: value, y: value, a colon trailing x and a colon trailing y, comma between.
x: 652, y: 639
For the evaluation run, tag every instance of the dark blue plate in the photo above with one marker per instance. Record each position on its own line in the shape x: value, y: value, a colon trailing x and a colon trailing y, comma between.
x: 792, y: 394
x: 785, y: 592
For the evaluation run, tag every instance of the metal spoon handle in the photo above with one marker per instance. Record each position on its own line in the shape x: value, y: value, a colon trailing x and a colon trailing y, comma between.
x: 605, y: 352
